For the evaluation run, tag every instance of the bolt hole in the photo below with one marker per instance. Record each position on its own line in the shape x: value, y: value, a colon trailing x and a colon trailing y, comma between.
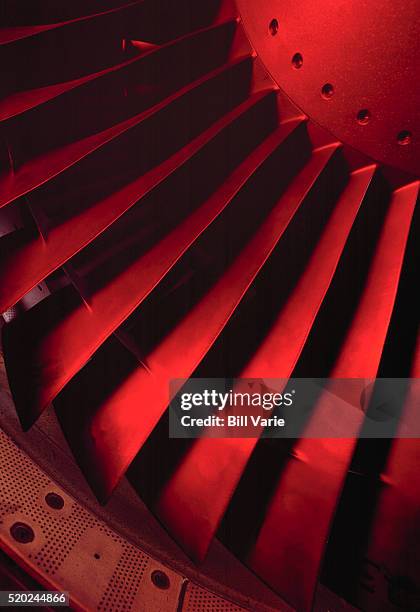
x: 97, y: 556
x: 273, y: 27
x: 297, y: 61
x: 363, y: 116
x: 22, y: 533
x: 404, y: 137
x: 160, y: 580
x: 54, y: 501
x: 327, y: 91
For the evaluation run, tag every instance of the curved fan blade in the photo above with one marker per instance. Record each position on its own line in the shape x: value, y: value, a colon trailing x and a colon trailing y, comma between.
x: 195, y: 491
x: 166, y: 210
x: 296, y: 525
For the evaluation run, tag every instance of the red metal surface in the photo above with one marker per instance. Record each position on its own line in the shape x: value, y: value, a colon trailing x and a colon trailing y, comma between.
x: 366, y: 51
x: 46, y: 152
x: 206, y: 479
x: 202, y: 220
x: 106, y: 457
x: 61, y: 353
x: 392, y: 542
x: 291, y: 541
x: 33, y: 259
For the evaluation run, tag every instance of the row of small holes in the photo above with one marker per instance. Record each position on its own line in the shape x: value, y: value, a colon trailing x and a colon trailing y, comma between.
x: 125, y: 581
x: 404, y: 137
x: 20, y: 479
x: 199, y: 600
x: 21, y: 476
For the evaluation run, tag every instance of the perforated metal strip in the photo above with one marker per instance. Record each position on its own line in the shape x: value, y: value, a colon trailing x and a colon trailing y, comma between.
x: 67, y: 548
x: 201, y: 600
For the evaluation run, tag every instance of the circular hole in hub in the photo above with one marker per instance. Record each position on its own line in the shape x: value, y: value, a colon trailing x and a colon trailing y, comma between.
x: 273, y: 27
x: 54, y: 501
x: 160, y: 579
x: 327, y: 91
x: 404, y: 137
x: 297, y: 61
x: 363, y: 116
x: 22, y: 533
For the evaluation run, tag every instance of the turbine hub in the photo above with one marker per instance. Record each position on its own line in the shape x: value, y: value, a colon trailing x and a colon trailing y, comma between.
x: 350, y: 66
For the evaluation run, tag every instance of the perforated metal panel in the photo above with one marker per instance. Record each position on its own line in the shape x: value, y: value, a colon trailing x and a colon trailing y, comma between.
x: 200, y: 600
x: 68, y: 548
x: 125, y: 581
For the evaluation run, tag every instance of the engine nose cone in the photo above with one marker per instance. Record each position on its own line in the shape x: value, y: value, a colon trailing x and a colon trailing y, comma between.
x: 352, y: 66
